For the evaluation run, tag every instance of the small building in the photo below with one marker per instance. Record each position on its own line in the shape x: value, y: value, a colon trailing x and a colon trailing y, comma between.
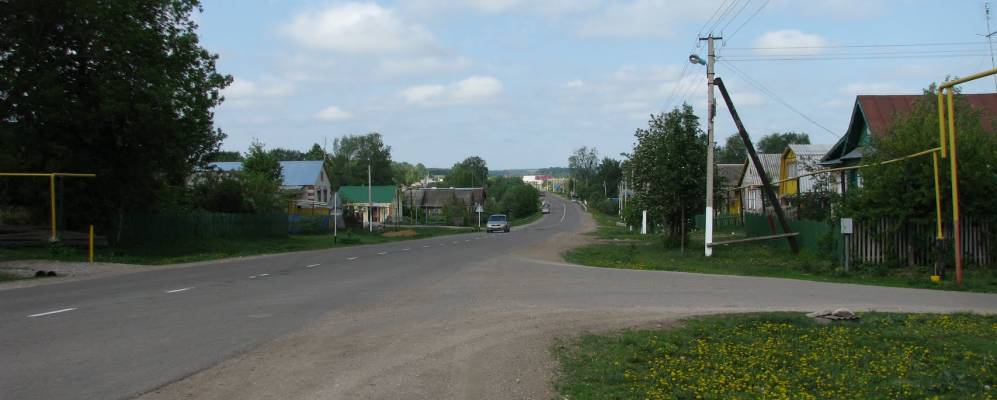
x: 379, y: 204
x: 729, y: 174
x: 802, y: 159
x: 307, y: 179
x: 431, y: 201
x: 537, y: 181
x: 750, y: 183
x: 873, y: 116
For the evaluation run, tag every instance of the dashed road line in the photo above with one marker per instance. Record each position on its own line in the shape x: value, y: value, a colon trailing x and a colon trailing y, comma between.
x: 51, y: 312
x: 381, y: 253
x: 406, y: 249
x: 352, y: 258
x: 179, y: 290
x: 252, y: 277
x: 312, y: 266
x: 426, y: 246
x: 262, y: 275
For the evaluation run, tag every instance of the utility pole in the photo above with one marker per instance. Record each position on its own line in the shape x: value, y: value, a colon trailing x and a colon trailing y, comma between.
x: 370, y: 202
x: 989, y: 36
x: 711, y: 111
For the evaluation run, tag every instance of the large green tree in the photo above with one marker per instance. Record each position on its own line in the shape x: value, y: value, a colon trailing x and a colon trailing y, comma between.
x: 668, y: 168
x: 733, y: 151
x: 472, y: 172
x: 353, y: 154
x: 583, y: 163
x: 775, y: 143
x: 120, y: 88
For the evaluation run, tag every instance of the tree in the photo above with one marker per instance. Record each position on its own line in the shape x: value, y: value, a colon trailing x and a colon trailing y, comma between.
x: 282, y: 154
x: 608, y: 178
x: 261, y: 178
x: 472, y: 172
x: 775, y: 143
x: 352, y: 154
x: 262, y: 162
x: 733, y: 151
x: 316, y: 153
x: 406, y: 174
x: 119, y: 88
x: 668, y: 166
x: 583, y: 164
x: 223, y: 156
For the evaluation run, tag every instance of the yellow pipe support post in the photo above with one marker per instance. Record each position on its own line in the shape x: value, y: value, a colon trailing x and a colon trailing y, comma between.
x: 938, y: 198
x: 941, y: 121
x: 91, y: 244
x: 956, y: 235
x: 51, y: 195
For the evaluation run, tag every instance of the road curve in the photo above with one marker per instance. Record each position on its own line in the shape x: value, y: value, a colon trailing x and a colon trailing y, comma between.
x: 465, y: 316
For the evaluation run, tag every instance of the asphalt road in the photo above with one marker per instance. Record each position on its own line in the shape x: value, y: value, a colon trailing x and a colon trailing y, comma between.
x: 452, y: 317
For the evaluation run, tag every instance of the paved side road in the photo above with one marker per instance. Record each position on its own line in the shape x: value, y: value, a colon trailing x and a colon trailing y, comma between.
x: 469, y: 316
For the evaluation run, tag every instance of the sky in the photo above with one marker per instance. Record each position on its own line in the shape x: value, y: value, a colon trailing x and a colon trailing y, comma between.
x: 522, y: 83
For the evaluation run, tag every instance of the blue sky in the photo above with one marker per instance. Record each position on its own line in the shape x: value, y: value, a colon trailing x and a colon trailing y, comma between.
x: 522, y: 83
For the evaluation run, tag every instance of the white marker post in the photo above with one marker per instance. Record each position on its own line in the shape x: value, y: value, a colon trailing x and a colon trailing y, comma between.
x: 479, y: 210
x: 643, y: 223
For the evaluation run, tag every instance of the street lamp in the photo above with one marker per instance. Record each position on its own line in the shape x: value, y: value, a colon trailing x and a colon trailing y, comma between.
x: 693, y: 58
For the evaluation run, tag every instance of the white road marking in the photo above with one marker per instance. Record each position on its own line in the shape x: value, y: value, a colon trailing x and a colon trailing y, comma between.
x: 179, y: 290
x: 352, y: 258
x: 252, y: 277
x: 456, y: 241
x: 51, y: 312
x: 262, y: 275
x: 406, y: 249
x: 312, y: 266
x: 467, y: 240
x: 382, y: 253
x: 426, y: 246
x: 565, y: 208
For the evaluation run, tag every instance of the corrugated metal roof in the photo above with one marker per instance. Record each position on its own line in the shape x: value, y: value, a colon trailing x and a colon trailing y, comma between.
x: 358, y: 194
x: 294, y: 173
x: 730, y: 173
x: 881, y: 110
x: 770, y: 162
x: 810, y: 150
x: 439, y: 197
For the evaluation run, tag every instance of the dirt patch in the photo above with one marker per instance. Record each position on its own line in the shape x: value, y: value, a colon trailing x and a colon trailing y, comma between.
x: 401, y: 233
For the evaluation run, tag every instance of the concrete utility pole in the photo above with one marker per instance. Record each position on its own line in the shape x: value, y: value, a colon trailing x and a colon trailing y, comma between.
x: 989, y: 36
x: 711, y: 111
x: 370, y: 202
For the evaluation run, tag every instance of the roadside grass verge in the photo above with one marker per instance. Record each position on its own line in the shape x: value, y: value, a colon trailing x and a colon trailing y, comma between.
x: 787, y: 356
x: 4, y: 277
x: 621, y: 248
x: 526, y: 220
x: 160, y: 254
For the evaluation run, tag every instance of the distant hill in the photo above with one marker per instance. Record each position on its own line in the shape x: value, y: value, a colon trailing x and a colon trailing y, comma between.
x: 557, y: 172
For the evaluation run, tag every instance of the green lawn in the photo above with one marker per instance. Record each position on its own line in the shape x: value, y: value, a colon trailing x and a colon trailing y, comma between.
x: 218, y: 249
x: 526, y: 220
x: 624, y: 249
x: 788, y: 356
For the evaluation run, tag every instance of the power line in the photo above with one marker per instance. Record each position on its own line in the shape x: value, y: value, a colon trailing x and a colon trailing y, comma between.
x: 859, y: 53
x: 750, y: 17
x: 840, y: 58
x: 671, y: 95
x: 775, y: 97
x: 858, y: 46
x: 734, y: 17
x: 723, y: 16
x: 700, y: 33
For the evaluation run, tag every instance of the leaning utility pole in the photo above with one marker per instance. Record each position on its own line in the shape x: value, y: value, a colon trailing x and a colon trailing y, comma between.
x: 710, y: 112
x: 989, y: 35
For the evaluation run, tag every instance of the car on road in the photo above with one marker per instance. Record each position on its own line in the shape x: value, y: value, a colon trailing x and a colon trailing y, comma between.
x: 545, y: 208
x: 497, y: 223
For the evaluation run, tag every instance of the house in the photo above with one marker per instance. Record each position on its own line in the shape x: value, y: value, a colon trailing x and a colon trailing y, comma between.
x: 432, y: 200
x: 305, y: 178
x: 802, y: 159
x: 749, y: 183
x: 537, y: 181
x: 729, y: 174
x: 379, y: 204
x: 872, y: 117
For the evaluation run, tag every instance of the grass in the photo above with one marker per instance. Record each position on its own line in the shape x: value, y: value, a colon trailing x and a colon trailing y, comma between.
x: 788, y: 356
x: 217, y: 249
x: 624, y: 249
x: 4, y: 277
x: 526, y: 220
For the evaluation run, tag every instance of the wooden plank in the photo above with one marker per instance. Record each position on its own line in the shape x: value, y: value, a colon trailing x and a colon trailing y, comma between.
x: 753, y: 239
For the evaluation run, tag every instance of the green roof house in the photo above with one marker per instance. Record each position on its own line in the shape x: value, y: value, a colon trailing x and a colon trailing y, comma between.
x: 379, y: 205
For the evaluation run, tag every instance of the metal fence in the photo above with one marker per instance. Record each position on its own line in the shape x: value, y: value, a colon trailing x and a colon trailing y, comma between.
x: 159, y: 229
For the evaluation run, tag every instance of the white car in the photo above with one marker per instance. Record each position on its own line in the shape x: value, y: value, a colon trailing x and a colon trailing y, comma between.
x: 545, y: 208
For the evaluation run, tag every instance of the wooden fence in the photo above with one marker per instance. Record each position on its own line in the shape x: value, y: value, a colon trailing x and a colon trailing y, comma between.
x: 914, y: 244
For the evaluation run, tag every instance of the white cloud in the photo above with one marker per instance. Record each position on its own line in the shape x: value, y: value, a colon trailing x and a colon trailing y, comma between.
x: 333, y: 114
x: 245, y: 93
x: 359, y: 28
x: 422, y: 65
x: 843, y: 9
x: 647, y: 18
x: 545, y: 7
x: 789, y: 41
x: 475, y: 89
x: 854, y: 89
x: 577, y: 83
